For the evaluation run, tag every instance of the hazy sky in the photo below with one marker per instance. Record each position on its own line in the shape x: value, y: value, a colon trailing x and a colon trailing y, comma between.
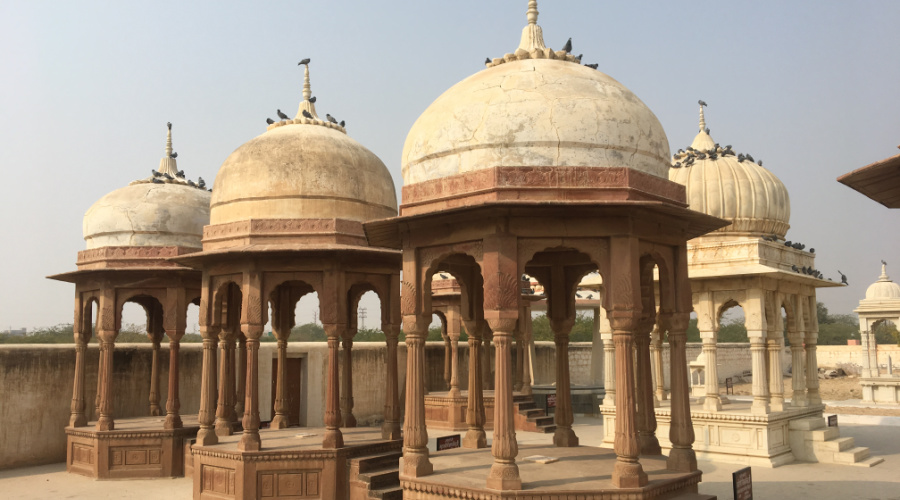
x: 87, y: 87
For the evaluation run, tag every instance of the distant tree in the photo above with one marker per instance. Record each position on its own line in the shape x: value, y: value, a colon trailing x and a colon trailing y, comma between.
x: 886, y: 333
x: 733, y: 331
x: 835, y: 329
x: 693, y: 333
x: 310, y: 332
x: 369, y: 335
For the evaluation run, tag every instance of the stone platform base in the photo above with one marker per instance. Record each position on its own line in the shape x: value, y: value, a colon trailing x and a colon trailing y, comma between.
x: 731, y: 435
x: 137, y: 448
x: 292, y: 464
x: 884, y: 389
x: 580, y: 472
x: 449, y: 413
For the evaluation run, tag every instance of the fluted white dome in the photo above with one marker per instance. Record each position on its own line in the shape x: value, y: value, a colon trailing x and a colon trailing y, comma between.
x: 723, y: 185
x: 884, y: 288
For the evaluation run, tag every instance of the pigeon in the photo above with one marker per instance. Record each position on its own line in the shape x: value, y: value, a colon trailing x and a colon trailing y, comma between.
x: 795, y: 268
x: 843, y: 277
x: 270, y: 121
x: 307, y: 114
x: 741, y: 157
x: 201, y: 183
x: 759, y: 162
x: 707, y: 130
x: 156, y: 173
x: 568, y: 46
x: 701, y: 102
x: 774, y: 237
x: 169, y: 124
x: 579, y: 57
x: 342, y: 124
x: 305, y: 61
x: 174, y: 155
x: 282, y: 115
x: 158, y: 181
x: 883, y: 263
x: 312, y: 99
x: 330, y: 118
x: 677, y: 165
x: 167, y: 176
x: 787, y: 243
x: 191, y: 183
x: 749, y: 158
x: 180, y: 174
x: 805, y: 270
x: 812, y: 250
x: 592, y: 66
x: 487, y: 60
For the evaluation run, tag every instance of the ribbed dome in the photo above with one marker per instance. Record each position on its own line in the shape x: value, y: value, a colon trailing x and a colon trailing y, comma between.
x: 534, y: 112
x: 884, y: 288
x: 302, y: 171
x: 732, y: 188
x: 148, y: 214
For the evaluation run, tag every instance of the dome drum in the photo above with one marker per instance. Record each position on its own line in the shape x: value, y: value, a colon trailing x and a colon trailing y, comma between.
x: 299, y: 233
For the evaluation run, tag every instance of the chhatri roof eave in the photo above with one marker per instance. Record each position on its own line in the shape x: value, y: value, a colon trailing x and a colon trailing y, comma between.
x: 878, y: 181
x: 199, y: 259
x: 80, y: 274
x: 757, y: 270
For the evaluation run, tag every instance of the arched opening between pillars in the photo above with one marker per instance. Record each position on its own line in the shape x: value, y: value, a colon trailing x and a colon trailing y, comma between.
x: 287, y: 395
x: 153, y: 328
x: 229, y: 363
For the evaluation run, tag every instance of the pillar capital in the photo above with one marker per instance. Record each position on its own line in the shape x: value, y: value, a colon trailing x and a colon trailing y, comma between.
x: 502, y: 326
x: 416, y: 325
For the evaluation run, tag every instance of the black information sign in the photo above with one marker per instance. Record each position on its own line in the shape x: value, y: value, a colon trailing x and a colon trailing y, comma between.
x: 729, y: 386
x: 448, y: 442
x: 743, y: 484
x: 551, y: 400
x: 832, y: 421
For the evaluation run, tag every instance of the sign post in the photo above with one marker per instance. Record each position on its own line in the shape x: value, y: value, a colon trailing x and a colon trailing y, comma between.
x: 551, y: 402
x: 729, y: 386
x: 832, y: 421
x: 743, y: 484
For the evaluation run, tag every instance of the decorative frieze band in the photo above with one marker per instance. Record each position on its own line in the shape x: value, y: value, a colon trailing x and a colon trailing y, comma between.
x: 130, y: 256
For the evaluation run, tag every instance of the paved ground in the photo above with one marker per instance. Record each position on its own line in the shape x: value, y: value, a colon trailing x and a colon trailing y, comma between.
x: 798, y: 480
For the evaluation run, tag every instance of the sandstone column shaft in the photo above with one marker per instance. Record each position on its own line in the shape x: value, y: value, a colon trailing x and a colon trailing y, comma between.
x: 627, y: 472
x: 415, y: 462
x: 241, y: 377
x: 609, y: 372
x: 347, y: 384
x: 155, y: 410
x: 798, y: 374
x: 105, y: 422
x: 682, y: 456
x: 223, y: 424
x: 206, y: 435
x: 712, y: 401
x: 504, y: 473
x: 392, y: 421
x: 475, y: 435
x: 646, y: 415
x: 564, y: 436
x: 812, y: 374
x: 281, y: 419
x: 77, y: 417
x: 760, y: 384
x: 173, y: 401
x: 776, y: 377
x: 250, y: 438
x: 333, y: 436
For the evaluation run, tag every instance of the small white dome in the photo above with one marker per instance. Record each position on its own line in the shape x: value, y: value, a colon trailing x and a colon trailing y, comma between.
x: 884, y: 288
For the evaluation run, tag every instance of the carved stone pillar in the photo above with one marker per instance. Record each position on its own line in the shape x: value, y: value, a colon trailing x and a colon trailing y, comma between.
x: 333, y: 436
x: 475, y: 435
x: 250, y: 438
x: 646, y: 415
x: 758, y: 366
x: 812, y: 373
x: 564, y: 436
x: 390, y: 429
x: 628, y: 472
x: 108, y: 345
x: 447, y: 361
x: 486, y: 379
x: 656, y: 356
x: 527, y: 337
x: 798, y: 373
x: 225, y: 405
x: 453, y: 333
x: 207, y: 435
x: 681, y: 433
x: 609, y: 370
x: 281, y: 420
x: 415, y: 462
x: 347, y: 381
x: 776, y: 377
x: 520, y: 360
x: 173, y: 401
x: 77, y: 417
x: 504, y: 473
x: 712, y: 401
x: 155, y: 410
x: 99, y: 381
x: 241, y: 377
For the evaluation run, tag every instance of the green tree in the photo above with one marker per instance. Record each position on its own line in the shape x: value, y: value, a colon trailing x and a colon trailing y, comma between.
x: 733, y: 331
x: 886, y: 333
x: 310, y: 332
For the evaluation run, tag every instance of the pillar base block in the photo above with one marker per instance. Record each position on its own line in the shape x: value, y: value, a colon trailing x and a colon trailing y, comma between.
x: 155, y: 411
x: 526, y: 390
x: 333, y: 439
x: 799, y: 400
x: 415, y: 464
x: 814, y: 399
x: 504, y: 476
x: 207, y: 437
x: 759, y: 407
x: 454, y: 393
x: 106, y: 424
x: 250, y: 441
x: 391, y: 431
x: 78, y: 421
x: 682, y: 460
x: 608, y: 400
x: 475, y: 438
x: 564, y: 437
x: 224, y: 428
x: 173, y: 422
x: 712, y: 403
x: 349, y: 420
x: 628, y: 475
x: 649, y: 445
x: 280, y: 422
x: 776, y: 405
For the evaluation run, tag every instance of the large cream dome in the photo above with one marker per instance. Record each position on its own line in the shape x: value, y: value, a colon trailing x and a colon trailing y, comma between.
x: 536, y: 107
x: 724, y: 184
x: 884, y: 288
x: 302, y: 170
x: 163, y: 210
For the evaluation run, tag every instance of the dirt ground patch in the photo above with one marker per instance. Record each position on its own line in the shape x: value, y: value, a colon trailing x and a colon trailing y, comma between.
x: 835, y: 389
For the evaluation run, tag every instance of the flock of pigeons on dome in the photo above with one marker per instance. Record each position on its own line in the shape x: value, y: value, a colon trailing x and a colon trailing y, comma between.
x: 305, y: 113
x: 688, y: 156
x: 157, y: 177
x: 567, y: 48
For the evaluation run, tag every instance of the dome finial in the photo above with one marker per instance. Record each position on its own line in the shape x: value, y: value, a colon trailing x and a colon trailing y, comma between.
x: 884, y: 276
x: 168, y: 165
x: 532, y: 35
x: 702, y: 104
x: 308, y: 102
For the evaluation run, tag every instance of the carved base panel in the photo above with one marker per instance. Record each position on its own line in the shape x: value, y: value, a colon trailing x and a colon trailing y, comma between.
x: 448, y: 413
x: 731, y: 436
x: 291, y: 465
x: 883, y: 389
x: 583, y: 473
x: 137, y: 448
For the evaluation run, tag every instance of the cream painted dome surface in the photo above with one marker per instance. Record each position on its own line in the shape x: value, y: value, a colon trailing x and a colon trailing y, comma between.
x: 534, y: 112
x: 884, y: 288
x: 302, y: 171
x: 148, y: 214
x: 751, y: 197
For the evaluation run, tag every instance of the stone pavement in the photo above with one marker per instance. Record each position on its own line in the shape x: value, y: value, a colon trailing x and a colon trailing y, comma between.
x: 797, y: 480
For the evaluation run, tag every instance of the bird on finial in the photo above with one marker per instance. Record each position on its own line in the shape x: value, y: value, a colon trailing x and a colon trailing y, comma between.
x: 307, y: 114
x: 487, y: 60
x: 201, y: 183
x: 282, y: 115
x: 568, y: 46
x: 883, y: 263
x: 701, y: 102
x: 331, y: 118
x: 174, y: 155
x: 312, y: 99
x: 303, y: 62
x: 270, y: 121
x: 341, y: 124
x: 169, y: 124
